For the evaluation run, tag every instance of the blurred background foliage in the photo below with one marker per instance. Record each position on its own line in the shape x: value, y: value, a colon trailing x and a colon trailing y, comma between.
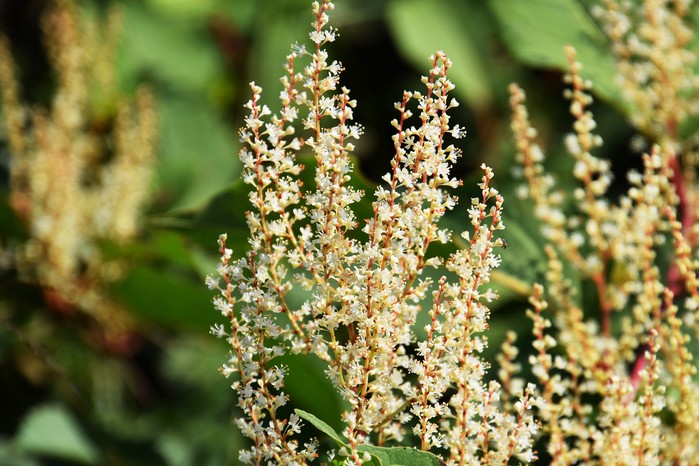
x: 73, y: 393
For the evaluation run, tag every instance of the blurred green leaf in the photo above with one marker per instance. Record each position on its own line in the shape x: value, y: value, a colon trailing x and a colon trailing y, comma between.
x: 225, y: 213
x: 167, y: 298
x: 198, y: 155
x: 51, y: 430
x: 537, y: 30
x: 276, y: 27
x: 199, y: 429
x: 419, y: 33
x: 203, y: 261
x: 193, y: 362
x: 304, y: 372
x: 180, y: 57
x: 187, y: 9
x: 523, y: 259
x: 10, y: 457
x: 240, y: 12
x: 174, y: 450
x: 227, y: 209
x: 172, y: 247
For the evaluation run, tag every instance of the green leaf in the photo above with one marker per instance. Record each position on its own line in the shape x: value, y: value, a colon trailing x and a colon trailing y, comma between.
x: 181, y: 57
x: 176, y: 451
x: 381, y: 456
x: 419, y: 33
x: 198, y: 155
x: 321, y: 426
x: 304, y: 372
x: 184, y: 9
x: 11, y: 457
x: 198, y: 429
x: 51, y: 430
x: 226, y: 210
x: 403, y: 456
x: 523, y: 261
x: 276, y: 26
x: 537, y: 30
x: 172, y: 247
x: 374, y: 461
x: 168, y: 298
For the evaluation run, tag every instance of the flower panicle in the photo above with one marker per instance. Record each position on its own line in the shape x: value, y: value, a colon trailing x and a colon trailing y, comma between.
x: 362, y: 294
x: 634, y: 360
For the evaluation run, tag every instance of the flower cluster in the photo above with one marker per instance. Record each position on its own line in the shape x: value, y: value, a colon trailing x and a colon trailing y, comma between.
x: 69, y: 184
x: 364, y: 285
x: 623, y: 389
x: 610, y: 379
x: 651, y: 41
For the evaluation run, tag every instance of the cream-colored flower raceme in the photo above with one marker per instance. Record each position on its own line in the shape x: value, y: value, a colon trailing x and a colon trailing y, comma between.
x: 641, y: 371
x: 81, y: 169
x: 651, y: 40
x: 618, y: 386
x: 363, y: 292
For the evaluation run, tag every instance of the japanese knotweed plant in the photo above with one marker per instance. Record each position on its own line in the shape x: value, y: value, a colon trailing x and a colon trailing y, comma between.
x: 79, y: 169
x: 364, y: 290
x: 618, y: 380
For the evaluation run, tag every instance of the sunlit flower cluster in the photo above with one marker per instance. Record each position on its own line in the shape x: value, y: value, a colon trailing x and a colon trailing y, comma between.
x: 364, y: 282
x: 606, y: 380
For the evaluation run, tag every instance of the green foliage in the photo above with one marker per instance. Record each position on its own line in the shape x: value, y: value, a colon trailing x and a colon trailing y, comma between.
x: 536, y: 30
x: 51, y: 430
x: 193, y: 132
x: 93, y: 391
x: 380, y: 456
x: 419, y: 33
